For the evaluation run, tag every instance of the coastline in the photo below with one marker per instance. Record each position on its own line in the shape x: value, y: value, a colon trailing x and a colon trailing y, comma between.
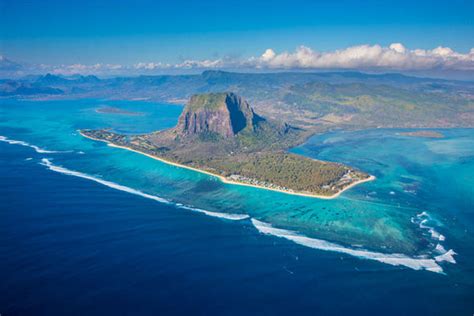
x: 227, y: 181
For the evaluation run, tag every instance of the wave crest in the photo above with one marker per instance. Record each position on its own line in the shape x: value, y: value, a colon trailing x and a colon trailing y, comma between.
x: 36, y: 148
x: 51, y: 166
x: 395, y: 259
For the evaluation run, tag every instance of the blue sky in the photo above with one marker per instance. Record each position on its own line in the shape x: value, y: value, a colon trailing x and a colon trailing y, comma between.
x: 130, y: 32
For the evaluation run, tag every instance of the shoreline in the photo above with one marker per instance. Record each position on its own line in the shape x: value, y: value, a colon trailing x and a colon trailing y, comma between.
x: 227, y: 181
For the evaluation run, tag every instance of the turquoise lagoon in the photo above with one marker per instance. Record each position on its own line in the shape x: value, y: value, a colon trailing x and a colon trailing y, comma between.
x: 417, y: 214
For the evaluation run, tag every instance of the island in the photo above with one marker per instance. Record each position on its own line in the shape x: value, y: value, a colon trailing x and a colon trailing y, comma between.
x: 114, y: 110
x: 221, y: 135
x: 425, y: 134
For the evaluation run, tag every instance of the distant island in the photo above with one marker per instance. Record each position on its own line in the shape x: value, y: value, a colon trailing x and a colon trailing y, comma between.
x: 221, y: 135
x: 426, y: 134
x: 114, y: 110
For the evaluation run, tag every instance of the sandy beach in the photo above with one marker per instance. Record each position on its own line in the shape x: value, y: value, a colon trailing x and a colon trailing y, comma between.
x: 225, y: 180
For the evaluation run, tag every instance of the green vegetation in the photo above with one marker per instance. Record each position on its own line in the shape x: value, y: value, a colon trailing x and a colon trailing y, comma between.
x: 209, y: 101
x: 370, y: 105
x: 285, y: 171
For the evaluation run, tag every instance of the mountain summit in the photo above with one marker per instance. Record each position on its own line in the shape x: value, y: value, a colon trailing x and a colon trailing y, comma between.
x: 225, y: 114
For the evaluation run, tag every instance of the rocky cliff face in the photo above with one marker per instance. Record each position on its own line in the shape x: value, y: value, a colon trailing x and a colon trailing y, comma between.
x: 225, y: 114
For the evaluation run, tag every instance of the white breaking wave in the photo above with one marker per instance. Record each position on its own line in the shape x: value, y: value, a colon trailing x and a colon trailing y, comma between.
x: 447, y: 256
x: 440, y: 249
x: 422, y: 214
x: 51, y: 166
x: 395, y: 259
x: 422, y: 220
x: 434, y: 234
x: 234, y: 217
x: 36, y: 148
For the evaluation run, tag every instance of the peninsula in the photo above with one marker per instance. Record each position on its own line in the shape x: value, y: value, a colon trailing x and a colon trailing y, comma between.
x: 221, y: 135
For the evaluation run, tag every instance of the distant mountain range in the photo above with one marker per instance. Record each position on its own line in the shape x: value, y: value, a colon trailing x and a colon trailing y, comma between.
x: 315, y: 101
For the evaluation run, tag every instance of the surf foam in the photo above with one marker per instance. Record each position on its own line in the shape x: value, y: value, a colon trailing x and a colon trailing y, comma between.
x: 234, y: 217
x: 395, y: 259
x: 447, y: 256
x: 36, y: 148
x: 113, y: 185
x: 440, y: 249
x: 422, y: 220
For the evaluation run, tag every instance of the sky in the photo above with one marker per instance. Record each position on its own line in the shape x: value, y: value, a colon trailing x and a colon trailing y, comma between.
x: 117, y: 36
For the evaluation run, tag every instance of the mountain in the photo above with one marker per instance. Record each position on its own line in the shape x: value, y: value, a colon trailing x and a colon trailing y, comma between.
x: 225, y: 114
x: 15, y: 88
x: 50, y: 79
x: 87, y: 79
x: 226, y: 118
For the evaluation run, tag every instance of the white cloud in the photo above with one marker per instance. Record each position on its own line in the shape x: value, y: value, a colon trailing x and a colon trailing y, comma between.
x: 207, y: 63
x: 151, y: 66
x: 268, y: 55
x: 394, y: 57
x: 82, y: 69
x: 398, y: 47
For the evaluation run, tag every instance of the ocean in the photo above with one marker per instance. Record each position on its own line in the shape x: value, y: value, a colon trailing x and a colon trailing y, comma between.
x: 90, y: 229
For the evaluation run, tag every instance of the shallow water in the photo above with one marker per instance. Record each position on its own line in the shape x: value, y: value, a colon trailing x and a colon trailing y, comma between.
x: 420, y: 205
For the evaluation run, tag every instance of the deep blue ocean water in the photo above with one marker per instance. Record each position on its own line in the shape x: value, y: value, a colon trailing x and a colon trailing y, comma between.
x: 72, y: 245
